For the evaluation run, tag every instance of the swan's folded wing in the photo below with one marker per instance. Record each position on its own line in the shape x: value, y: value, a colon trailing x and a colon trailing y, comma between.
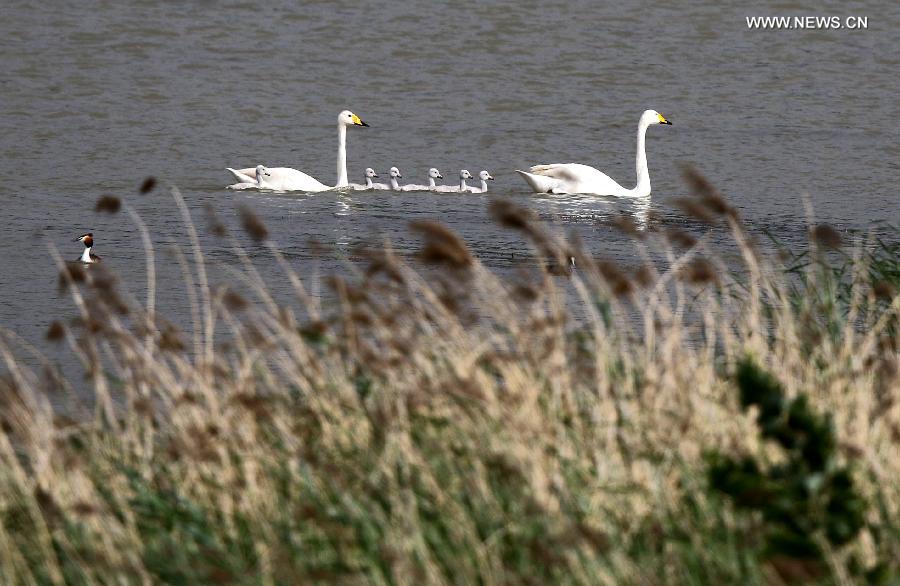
x: 243, y: 175
x: 562, y: 171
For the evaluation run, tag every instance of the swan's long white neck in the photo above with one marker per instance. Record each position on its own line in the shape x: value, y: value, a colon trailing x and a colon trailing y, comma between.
x: 86, y: 255
x: 342, y: 157
x: 395, y: 185
x: 642, y: 189
x: 483, y: 186
x: 369, y: 182
x: 431, y: 183
x: 462, y: 184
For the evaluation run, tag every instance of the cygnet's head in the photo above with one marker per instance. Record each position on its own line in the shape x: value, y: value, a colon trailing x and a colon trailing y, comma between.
x: 464, y: 174
x: 262, y: 171
x: 395, y: 173
x: 650, y: 117
x: 348, y: 118
x: 435, y: 174
x: 370, y: 172
x: 485, y: 176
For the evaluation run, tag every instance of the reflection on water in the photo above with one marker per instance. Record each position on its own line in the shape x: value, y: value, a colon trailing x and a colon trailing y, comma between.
x: 571, y: 209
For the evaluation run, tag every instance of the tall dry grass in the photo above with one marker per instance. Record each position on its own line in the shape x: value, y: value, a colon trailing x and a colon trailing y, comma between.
x: 436, y: 423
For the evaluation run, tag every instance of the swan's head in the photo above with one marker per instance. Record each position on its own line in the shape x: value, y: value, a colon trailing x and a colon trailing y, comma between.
x: 435, y: 174
x: 348, y: 118
x: 86, y: 239
x: 395, y: 173
x: 650, y: 117
x: 262, y: 171
x: 370, y: 172
x: 485, y: 176
x: 464, y: 174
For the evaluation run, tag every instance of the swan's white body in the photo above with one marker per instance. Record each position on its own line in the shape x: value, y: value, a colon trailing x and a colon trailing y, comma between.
x: 485, y: 177
x: 432, y: 186
x: 463, y: 175
x: 578, y: 178
x: 262, y: 174
x: 287, y: 179
x: 370, y: 173
x: 394, y: 185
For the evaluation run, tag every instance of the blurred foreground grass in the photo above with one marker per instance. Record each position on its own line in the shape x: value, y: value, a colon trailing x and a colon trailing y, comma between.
x: 697, y: 418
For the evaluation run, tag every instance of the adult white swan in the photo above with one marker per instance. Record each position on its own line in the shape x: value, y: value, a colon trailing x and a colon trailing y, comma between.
x: 287, y: 179
x: 262, y: 175
x: 577, y: 178
x: 432, y: 175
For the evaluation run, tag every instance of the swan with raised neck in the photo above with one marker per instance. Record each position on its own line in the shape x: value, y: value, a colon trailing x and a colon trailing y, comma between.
x: 288, y: 179
x: 578, y: 178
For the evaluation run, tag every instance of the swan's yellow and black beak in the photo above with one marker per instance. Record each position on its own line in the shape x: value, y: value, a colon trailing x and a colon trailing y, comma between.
x: 662, y: 119
x: 357, y: 121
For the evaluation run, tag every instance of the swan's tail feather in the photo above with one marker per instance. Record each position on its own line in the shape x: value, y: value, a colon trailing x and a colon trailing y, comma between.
x: 240, y: 176
x: 539, y: 183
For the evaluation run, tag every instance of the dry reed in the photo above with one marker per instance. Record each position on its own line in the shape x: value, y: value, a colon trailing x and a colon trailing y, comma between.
x: 432, y: 428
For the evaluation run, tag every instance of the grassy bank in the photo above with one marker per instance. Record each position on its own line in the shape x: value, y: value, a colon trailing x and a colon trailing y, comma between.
x: 708, y: 417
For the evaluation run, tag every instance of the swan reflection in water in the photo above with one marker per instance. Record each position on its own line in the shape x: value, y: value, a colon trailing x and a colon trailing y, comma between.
x: 580, y: 208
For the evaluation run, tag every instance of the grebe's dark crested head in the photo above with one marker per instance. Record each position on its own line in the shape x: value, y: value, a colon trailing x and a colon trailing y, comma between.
x: 87, y: 256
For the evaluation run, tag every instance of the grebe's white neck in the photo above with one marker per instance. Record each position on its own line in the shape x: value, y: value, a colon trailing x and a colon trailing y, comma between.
x: 86, y: 255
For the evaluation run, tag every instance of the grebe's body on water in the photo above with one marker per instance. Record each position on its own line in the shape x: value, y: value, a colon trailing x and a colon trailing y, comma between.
x: 87, y: 256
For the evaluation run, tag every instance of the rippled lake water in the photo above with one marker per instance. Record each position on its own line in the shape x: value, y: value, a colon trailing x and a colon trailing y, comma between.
x: 99, y: 94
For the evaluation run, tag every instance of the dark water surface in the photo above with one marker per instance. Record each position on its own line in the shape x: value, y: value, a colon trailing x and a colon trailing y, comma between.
x: 97, y: 95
